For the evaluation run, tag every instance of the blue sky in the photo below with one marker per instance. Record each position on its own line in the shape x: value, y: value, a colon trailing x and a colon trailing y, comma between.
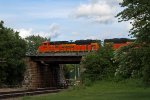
x: 64, y: 19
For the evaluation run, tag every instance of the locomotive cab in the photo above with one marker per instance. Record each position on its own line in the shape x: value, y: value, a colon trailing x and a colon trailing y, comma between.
x: 46, y: 43
x: 43, y: 47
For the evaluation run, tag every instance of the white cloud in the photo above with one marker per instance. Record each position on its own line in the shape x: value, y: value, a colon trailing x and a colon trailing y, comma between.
x: 24, y: 32
x: 96, y: 10
x: 54, y: 30
x: 42, y: 34
x: 119, y: 1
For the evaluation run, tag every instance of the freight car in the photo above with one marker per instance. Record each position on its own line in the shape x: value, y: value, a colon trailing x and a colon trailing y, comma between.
x: 118, y: 42
x: 66, y: 46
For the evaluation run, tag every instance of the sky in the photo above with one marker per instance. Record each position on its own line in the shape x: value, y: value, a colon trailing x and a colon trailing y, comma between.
x: 65, y: 19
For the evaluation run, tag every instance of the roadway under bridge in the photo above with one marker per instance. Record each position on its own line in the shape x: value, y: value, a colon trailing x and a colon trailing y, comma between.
x: 44, y: 70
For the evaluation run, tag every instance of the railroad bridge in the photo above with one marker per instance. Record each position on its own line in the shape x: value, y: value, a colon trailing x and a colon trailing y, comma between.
x: 44, y: 70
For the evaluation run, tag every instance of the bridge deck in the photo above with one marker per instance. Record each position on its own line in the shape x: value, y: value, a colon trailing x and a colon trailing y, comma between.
x: 61, y: 57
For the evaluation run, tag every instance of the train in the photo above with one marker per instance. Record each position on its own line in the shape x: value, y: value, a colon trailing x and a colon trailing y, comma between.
x: 118, y: 42
x: 80, y: 45
x: 69, y: 46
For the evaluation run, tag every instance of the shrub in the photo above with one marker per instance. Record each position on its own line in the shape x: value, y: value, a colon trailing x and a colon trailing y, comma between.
x: 133, y: 62
x: 98, y: 65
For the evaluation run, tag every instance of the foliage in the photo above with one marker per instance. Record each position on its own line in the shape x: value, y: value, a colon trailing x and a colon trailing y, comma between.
x: 129, y: 63
x: 135, y: 60
x: 68, y: 68
x: 12, y: 50
x: 33, y: 42
x: 99, y: 65
x: 138, y: 12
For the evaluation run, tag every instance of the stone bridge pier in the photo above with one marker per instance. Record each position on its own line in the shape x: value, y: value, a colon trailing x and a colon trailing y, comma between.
x: 40, y: 75
x: 44, y: 70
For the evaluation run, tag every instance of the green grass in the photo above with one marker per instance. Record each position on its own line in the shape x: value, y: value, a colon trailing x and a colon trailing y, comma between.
x: 127, y: 90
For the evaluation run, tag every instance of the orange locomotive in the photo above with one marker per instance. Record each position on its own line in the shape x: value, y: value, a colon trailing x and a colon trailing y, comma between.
x: 118, y: 42
x: 65, y: 46
x: 81, y: 45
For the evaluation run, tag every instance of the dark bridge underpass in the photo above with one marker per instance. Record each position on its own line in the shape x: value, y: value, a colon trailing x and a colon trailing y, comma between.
x: 44, y: 70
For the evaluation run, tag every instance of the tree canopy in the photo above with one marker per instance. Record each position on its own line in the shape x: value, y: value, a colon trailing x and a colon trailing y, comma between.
x: 137, y: 11
x: 134, y: 60
x: 33, y: 42
x: 99, y: 65
x: 12, y: 50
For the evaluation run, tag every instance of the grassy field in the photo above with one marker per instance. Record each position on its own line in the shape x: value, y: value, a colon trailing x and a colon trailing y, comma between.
x: 127, y: 90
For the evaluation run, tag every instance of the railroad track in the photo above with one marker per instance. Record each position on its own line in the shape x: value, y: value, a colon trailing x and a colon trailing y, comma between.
x: 14, y: 94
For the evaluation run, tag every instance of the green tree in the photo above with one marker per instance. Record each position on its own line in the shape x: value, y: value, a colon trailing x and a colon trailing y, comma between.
x: 135, y: 60
x: 129, y: 62
x: 138, y: 12
x: 12, y: 50
x: 33, y: 42
x: 67, y: 68
x: 99, y: 65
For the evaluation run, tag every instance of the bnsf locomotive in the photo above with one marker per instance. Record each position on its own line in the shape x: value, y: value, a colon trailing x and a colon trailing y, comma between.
x: 81, y: 45
x: 118, y: 42
x: 65, y: 46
